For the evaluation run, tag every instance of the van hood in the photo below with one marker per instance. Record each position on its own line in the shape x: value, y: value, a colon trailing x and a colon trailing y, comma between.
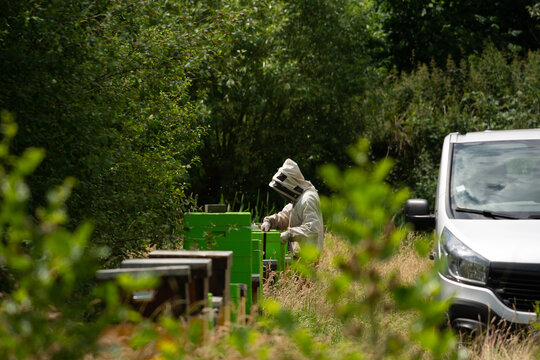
x: 500, y: 240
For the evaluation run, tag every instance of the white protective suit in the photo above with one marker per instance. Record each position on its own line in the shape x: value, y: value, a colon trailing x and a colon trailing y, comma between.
x: 302, y: 217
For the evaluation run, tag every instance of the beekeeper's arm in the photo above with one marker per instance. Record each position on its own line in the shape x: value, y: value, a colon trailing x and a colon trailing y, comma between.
x: 280, y: 220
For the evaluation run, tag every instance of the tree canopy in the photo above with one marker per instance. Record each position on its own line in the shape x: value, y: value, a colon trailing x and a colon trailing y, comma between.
x: 159, y: 107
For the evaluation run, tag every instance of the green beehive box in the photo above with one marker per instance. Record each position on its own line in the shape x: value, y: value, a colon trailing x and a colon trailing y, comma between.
x: 211, y: 312
x: 244, y: 278
x: 228, y: 219
x: 242, y: 264
x: 219, y: 238
x: 274, y: 249
x: 224, y: 231
x: 241, y: 277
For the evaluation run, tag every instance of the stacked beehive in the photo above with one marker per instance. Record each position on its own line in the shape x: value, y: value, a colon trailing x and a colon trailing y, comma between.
x: 225, y: 231
x: 223, y: 260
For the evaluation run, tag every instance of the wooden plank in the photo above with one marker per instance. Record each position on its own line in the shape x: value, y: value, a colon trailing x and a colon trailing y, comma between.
x: 179, y: 271
x: 201, y: 270
x: 172, y: 296
x: 221, y: 267
x: 221, y: 259
x: 199, y: 267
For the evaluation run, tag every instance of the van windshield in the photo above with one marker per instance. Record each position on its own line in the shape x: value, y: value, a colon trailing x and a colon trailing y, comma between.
x: 499, y: 180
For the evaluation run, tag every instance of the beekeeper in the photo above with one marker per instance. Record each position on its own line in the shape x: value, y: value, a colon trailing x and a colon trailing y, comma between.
x: 301, y: 217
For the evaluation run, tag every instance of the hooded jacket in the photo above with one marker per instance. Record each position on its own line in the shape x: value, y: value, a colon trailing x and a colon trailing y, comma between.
x: 302, y: 217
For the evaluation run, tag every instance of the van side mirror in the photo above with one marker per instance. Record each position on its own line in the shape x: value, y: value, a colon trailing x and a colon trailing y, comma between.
x: 417, y: 213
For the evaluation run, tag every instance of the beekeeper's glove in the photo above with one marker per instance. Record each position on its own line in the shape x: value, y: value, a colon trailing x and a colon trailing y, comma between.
x: 265, y: 226
x: 284, y: 237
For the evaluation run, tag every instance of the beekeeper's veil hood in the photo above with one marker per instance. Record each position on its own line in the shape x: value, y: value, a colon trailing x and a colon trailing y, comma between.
x: 289, y: 181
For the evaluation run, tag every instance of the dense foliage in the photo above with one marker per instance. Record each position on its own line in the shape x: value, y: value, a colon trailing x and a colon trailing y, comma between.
x: 421, y: 31
x: 43, y: 267
x: 152, y: 109
x: 411, y: 113
x: 156, y: 108
x: 287, y: 85
x: 101, y: 86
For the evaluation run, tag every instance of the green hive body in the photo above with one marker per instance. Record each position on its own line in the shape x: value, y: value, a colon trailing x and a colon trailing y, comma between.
x: 256, y: 264
x: 232, y: 231
x: 224, y: 231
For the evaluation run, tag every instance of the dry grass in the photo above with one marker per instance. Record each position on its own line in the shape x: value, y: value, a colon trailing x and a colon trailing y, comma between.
x: 303, y: 296
x: 115, y: 344
x: 307, y: 300
x: 406, y: 263
x: 502, y: 344
x: 300, y: 294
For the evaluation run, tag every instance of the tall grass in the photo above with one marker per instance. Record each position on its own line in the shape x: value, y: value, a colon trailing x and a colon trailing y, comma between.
x: 262, y: 206
x: 307, y: 301
x: 504, y: 344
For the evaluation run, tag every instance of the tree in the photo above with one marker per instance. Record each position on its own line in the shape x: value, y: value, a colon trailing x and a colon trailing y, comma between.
x: 44, y: 267
x: 101, y: 86
x: 287, y: 86
x: 411, y: 113
x: 419, y: 31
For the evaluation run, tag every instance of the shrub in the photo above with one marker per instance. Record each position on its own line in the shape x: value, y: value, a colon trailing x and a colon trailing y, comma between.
x: 44, y: 306
x: 410, y: 114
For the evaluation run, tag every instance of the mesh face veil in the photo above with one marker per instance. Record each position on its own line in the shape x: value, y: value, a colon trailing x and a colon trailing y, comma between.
x: 288, y: 181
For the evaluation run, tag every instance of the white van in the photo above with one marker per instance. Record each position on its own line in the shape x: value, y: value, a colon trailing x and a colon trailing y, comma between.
x: 487, y: 220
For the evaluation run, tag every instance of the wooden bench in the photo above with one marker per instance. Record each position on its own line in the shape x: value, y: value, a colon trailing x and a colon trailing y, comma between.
x: 201, y: 270
x: 171, y: 296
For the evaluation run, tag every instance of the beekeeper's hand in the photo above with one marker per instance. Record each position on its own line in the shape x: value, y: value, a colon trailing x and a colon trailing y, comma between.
x: 265, y: 226
x: 284, y: 237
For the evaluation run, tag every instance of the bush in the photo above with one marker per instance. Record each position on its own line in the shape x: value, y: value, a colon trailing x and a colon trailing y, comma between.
x: 287, y: 86
x: 410, y: 114
x: 102, y: 87
x: 44, y: 306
